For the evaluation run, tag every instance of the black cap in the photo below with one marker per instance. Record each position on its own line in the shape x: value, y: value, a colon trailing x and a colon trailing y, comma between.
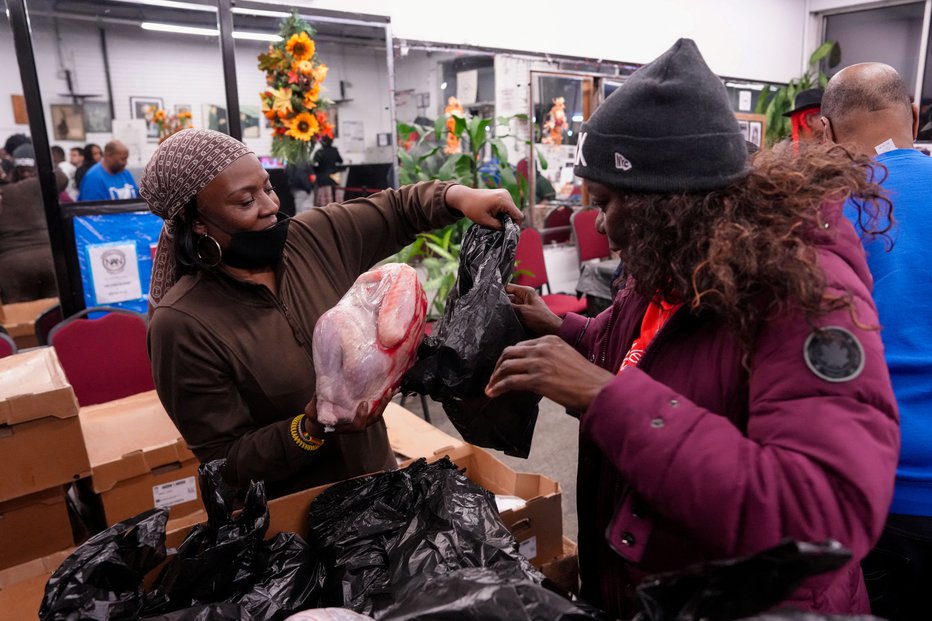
x: 668, y: 128
x: 809, y: 98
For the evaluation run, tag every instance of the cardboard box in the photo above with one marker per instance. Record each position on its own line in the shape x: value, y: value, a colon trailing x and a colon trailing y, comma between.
x: 33, y: 526
x: 138, y: 458
x: 20, y: 320
x: 564, y: 570
x: 41, y: 444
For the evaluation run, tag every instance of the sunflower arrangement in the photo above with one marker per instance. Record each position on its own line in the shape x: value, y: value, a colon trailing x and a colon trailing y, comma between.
x: 292, y: 102
x: 167, y: 124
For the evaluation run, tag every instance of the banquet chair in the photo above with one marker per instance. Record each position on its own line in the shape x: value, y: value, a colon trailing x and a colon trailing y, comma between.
x: 7, y: 346
x: 590, y: 244
x: 531, y: 271
x: 104, y: 358
x: 47, y: 319
x: 557, y: 225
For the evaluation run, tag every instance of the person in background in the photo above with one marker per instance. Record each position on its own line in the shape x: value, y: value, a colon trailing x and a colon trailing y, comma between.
x: 326, y: 161
x: 735, y: 394
x: 59, y: 162
x: 237, y: 289
x: 108, y: 179
x: 6, y: 156
x: 867, y: 106
x: 26, y: 268
x: 92, y: 155
x: 300, y: 185
x: 76, y: 159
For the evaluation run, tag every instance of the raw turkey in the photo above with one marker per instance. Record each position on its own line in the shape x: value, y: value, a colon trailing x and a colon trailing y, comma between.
x: 364, y: 344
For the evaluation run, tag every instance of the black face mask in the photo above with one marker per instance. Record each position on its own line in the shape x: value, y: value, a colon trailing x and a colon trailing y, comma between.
x: 254, y: 249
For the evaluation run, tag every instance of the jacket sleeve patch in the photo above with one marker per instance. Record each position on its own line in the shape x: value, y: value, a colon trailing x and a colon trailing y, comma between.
x: 834, y: 354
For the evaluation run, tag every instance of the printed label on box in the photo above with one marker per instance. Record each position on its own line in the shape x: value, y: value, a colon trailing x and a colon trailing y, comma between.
x: 528, y: 548
x: 174, y: 492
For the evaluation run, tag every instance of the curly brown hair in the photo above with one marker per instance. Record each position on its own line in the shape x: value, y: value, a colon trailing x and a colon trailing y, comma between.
x: 748, y: 250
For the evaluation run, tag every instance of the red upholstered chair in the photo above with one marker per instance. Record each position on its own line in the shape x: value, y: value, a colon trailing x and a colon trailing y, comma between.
x: 590, y: 244
x: 104, y: 358
x: 531, y: 271
x: 48, y: 319
x: 7, y: 346
x: 557, y: 225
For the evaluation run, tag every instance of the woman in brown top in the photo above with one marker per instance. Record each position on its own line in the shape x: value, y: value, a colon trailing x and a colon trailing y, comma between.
x: 231, y: 339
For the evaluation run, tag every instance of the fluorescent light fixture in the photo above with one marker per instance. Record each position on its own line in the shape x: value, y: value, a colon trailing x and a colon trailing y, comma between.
x: 256, y: 36
x: 261, y: 12
x: 747, y: 87
x: 210, y: 32
x: 173, y: 4
x: 577, y: 118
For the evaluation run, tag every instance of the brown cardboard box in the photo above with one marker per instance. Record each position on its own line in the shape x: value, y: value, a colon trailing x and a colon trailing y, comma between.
x: 411, y: 436
x: 138, y: 458
x: 41, y: 444
x: 33, y: 526
x: 564, y: 570
x: 20, y: 320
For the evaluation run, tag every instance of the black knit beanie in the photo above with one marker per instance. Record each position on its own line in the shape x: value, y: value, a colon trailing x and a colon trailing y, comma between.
x: 668, y: 128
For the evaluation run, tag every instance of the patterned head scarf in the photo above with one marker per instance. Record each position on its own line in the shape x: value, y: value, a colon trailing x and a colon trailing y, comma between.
x: 180, y: 168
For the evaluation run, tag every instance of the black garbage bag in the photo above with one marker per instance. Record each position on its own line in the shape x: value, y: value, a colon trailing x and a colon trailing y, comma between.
x: 737, y: 588
x: 227, y: 560
x: 379, y: 533
x: 208, y: 612
x: 102, y: 579
x: 455, y: 363
x: 482, y: 594
x: 798, y: 615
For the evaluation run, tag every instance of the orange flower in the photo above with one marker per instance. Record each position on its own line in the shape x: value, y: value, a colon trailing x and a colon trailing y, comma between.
x: 311, y: 96
x: 304, y: 67
x: 304, y: 127
x: 326, y: 129
x: 320, y: 72
x: 451, y: 124
x: 453, y: 144
x: 300, y: 46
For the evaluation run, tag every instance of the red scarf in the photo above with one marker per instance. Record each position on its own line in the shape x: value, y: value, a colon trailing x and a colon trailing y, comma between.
x: 657, y: 314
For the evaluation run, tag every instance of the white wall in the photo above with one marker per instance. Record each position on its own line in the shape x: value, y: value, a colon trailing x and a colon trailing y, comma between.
x: 184, y: 69
x: 753, y: 39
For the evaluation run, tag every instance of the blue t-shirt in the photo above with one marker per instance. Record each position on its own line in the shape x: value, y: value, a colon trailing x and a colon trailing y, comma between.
x: 903, y: 294
x: 100, y: 185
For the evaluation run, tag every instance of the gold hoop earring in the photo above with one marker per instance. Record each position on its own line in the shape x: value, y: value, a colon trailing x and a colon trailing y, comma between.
x: 214, y: 252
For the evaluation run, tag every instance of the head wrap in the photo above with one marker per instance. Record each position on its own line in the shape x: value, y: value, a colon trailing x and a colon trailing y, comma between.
x: 24, y: 155
x: 180, y: 168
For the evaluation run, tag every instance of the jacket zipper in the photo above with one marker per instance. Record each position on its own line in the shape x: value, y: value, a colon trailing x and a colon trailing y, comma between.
x: 607, y: 336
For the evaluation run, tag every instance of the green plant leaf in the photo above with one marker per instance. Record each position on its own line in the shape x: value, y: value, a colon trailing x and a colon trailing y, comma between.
x: 446, y: 171
x: 834, y: 59
x: 407, y: 162
x: 460, y: 125
x: 521, y: 117
x: 821, y: 52
x: 762, y: 100
x: 440, y: 124
x: 499, y: 150
x: 404, y: 177
x: 823, y: 80
x: 465, y: 168
x: 541, y: 160
x: 430, y: 153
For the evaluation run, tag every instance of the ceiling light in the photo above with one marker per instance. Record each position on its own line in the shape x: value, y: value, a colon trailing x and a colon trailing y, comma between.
x: 577, y: 118
x: 749, y: 87
x: 210, y: 32
x: 261, y: 12
x: 443, y: 86
x: 256, y: 36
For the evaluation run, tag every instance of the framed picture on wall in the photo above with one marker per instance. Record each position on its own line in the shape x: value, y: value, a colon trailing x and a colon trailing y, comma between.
x: 19, y: 110
x: 215, y: 118
x: 137, y: 109
x: 67, y: 122
x: 249, y: 117
x: 97, y: 119
x: 754, y: 127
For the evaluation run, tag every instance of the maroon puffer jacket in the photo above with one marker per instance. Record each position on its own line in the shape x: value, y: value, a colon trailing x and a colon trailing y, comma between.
x: 690, y: 457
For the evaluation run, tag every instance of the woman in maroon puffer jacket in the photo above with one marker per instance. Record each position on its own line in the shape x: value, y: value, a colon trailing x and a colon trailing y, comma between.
x: 735, y: 394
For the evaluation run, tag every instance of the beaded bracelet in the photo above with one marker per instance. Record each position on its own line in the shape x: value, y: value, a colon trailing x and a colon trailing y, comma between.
x: 303, y: 439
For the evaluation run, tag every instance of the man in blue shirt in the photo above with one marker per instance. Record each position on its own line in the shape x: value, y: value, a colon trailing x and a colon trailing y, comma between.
x: 108, y: 179
x: 867, y: 107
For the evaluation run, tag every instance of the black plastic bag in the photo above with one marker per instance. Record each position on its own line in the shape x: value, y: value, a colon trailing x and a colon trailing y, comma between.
x: 482, y: 594
x: 379, y: 533
x: 227, y: 560
x: 208, y: 612
x: 455, y: 362
x: 102, y: 579
x: 797, y: 615
x: 737, y: 588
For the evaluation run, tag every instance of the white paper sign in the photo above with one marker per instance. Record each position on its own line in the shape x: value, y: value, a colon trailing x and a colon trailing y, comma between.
x: 744, y: 101
x: 174, y: 492
x: 353, y: 136
x: 528, y: 548
x: 115, y: 272
x: 467, y: 84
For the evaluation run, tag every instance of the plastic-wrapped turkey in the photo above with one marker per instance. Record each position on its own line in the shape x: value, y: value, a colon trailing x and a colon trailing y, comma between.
x: 364, y: 344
